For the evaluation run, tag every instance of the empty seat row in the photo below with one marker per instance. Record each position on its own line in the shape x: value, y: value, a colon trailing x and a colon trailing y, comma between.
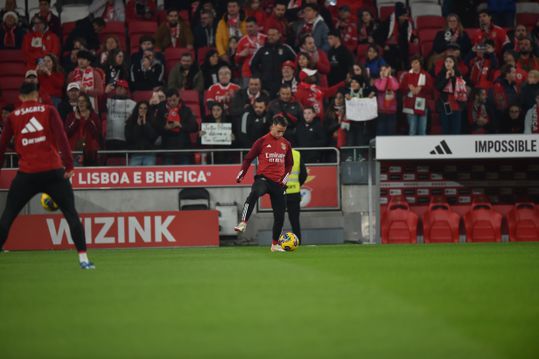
x: 441, y: 224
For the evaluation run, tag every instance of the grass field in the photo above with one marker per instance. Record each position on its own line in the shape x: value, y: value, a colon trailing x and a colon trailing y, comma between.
x: 349, y: 301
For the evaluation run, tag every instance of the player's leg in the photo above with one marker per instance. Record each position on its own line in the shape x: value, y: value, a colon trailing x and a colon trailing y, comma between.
x: 259, y: 188
x: 278, y: 204
x: 61, y: 192
x: 292, y: 206
x: 22, y: 189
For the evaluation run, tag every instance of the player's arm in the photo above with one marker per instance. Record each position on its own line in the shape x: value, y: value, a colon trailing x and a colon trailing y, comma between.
x: 251, y: 155
x: 288, y: 163
x: 61, y: 140
x: 7, y: 134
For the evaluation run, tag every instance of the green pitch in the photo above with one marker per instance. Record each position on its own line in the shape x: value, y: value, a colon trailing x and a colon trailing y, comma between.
x: 436, y: 301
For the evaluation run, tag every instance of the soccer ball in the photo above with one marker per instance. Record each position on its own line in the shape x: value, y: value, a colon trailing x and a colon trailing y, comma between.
x: 288, y: 241
x: 47, y: 203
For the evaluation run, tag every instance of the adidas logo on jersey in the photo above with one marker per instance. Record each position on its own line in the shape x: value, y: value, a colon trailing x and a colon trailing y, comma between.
x: 32, y: 126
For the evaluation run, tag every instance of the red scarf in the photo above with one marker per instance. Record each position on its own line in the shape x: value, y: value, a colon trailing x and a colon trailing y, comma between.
x: 174, y: 34
x: 9, y: 36
x: 174, y: 116
x: 84, y: 77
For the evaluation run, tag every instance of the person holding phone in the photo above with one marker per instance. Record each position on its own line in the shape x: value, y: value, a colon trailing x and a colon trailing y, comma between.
x: 83, y: 130
x: 448, y: 82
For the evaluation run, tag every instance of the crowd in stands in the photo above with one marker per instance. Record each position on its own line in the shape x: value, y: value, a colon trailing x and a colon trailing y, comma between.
x: 247, y: 61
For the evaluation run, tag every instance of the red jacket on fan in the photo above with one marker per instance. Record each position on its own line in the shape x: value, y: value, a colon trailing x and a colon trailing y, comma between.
x: 251, y: 44
x: 35, y: 45
x: 274, y: 158
x: 38, y: 134
x: 310, y: 95
x: 52, y: 84
x: 221, y: 94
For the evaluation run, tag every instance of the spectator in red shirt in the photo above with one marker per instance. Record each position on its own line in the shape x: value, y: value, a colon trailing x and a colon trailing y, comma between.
x: 51, y: 78
x: 348, y: 28
x: 224, y: 90
x: 416, y: 87
x: 516, y: 35
x: 526, y: 59
x: 252, y: 9
x: 247, y: 46
x: 39, y: 41
x: 483, y: 65
x: 83, y: 128
x: 491, y: 31
x: 91, y: 80
x: 277, y: 20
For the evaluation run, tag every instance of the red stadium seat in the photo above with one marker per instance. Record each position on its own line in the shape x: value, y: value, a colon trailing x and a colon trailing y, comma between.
x: 12, y: 69
x: 523, y: 222
x: 14, y: 56
x: 173, y: 56
x: 117, y: 29
x: 201, y: 53
x: 426, y: 48
x: 427, y: 35
x: 11, y: 82
x: 440, y: 223
x: 10, y: 96
x: 482, y: 222
x: 190, y: 96
x: 362, y: 51
x: 472, y: 33
x: 67, y: 27
x: 528, y: 20
x: 141, y: 95
x: 430, y: 22
x: 141, y: 27
x: 386, y: 11
x: 399, y: 223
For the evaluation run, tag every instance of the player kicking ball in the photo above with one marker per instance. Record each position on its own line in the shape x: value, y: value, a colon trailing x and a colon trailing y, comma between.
x: 275, y: 162
x: 38, y: 134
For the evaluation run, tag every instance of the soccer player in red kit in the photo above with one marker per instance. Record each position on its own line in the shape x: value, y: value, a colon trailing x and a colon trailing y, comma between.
x: 275, y: 162
x: 38, y: 135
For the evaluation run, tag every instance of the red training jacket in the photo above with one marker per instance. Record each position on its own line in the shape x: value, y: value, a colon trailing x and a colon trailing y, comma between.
x: 274, y: 157
x: 38, y: 134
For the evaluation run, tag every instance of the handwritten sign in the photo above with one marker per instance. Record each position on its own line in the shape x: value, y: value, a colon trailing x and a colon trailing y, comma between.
x: 361, y: 109
x: 216, y: 134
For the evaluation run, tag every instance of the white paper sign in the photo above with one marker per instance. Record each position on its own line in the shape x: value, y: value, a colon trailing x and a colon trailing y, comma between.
x: 216, y: 134
x: 361, y: 109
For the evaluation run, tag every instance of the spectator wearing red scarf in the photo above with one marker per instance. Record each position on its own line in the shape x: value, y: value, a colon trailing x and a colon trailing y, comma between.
x: 175, y: 32
x: 11, y: 34
x: 416, y: 87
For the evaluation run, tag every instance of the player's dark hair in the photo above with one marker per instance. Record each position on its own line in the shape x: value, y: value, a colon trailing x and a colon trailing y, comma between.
x: 280, y: 120
x: 27, y: 88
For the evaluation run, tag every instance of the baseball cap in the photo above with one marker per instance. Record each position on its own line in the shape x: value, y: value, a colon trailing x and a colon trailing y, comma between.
x: 73, y: 85
x: 30, y: 73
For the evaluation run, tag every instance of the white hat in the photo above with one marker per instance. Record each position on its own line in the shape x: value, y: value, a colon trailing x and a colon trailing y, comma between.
x: 30, y: 73
x: 12, y: 13
x: 73, y: 85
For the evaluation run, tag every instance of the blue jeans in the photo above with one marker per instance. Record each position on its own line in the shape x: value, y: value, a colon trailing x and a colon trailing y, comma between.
x: 451, y: 123
x: 142, y: 160
x: 417, y: 124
